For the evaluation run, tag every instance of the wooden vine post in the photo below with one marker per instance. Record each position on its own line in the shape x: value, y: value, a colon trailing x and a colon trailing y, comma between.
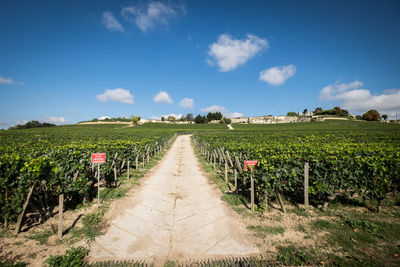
x: 252, y: 191
x: 226, y: 172
x: 306, y: 172
x: 128, y: 169
x: 98, y: 184
x: 251, y: 164
x: 22, y: 214
x: 60, y: 214
x: 235, y: 179
x: 278, y: 194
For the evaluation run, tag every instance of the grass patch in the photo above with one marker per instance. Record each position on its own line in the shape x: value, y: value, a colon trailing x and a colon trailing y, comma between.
x: 301, y: 228
x: 5, y: 233
x: 72, y: 257
x: 262, y: 231
x: 169, y: 264
x: 41, y: 236
x: 113, y: 193
x: 291, y: 255
x: 299, y: 212
x: 9, y: 263
x: 233, y: 199
x: 361, y: 241
x: 92, y: 225
x: 321, y: 225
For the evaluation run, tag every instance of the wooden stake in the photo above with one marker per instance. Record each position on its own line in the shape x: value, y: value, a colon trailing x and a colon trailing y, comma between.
x: 115, y: 176
x: 252, y: 191
x: 214, y: 161
x: 278, y: 194
x: 235, y: 179
x: 98, y: 183
x: 226, y: 172
x: 306, y: 170
x: 137, y: 162
x: 128, y: 168
x: 22, y: 214
x: 60, y: 215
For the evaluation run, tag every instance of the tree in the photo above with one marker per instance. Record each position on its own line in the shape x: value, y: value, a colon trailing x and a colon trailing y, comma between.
x: 200, y: 119
x: 190, y: 117
x: 305, y: 111
x: 171, y: 118
x: 32, y: 124
x: 226, y: 120
x: 183, y: 118
x: 358, y: 117
x: 338, y: 111
x: 371, y: 115
x: 214, y: 116
x: 291, y: 113
x: 317, y: 110
x: 384, y: 117
x: 134, y: 119
x: 162, y: 119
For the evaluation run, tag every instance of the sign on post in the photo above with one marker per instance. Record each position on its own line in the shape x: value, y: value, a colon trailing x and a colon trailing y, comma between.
x: 98, y: 158
x: 250, y: 163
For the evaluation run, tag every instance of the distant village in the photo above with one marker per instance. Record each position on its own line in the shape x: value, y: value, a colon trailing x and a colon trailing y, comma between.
x: 217, y: 117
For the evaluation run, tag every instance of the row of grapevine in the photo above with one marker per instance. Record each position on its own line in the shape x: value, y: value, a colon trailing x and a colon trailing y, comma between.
x: 61, y: 164
x: 339, y: 164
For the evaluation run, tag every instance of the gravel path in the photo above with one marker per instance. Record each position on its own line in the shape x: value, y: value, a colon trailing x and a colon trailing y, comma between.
x: 176, y: 214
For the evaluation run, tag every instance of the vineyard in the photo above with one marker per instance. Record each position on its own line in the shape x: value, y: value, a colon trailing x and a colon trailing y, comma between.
x: 341, y: 160
x: 345, y: 161
x: 36, y: 166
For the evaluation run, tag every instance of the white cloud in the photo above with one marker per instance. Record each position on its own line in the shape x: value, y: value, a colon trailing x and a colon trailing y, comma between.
x: 101, y: 118
x: 177, y: 116
x: 118, y: 94
x: 186, y: 103
x: 352, y: 97
x: 111, y: 22
x: 225, y: 112
x: 163, y: 97
x: 23, y: 122
x: 333, y: 91
x: 6, y: 80
x: 214, y: 108
x: 55, y: 120
x: 148, y: 17
x: 277, y: 75
x: 235, y: 115
x: 230, y: 53
x: 9, y: 81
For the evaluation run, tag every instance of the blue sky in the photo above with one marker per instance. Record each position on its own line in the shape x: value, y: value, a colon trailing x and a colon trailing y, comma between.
x: 68, y: 61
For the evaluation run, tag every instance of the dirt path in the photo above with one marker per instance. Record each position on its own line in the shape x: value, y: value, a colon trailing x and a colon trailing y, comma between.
x: 176, y: 214
x: 230, y: 126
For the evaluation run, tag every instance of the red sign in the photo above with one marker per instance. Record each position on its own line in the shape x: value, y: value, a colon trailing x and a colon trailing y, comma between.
x: 249, y: 163
x: 99, y: 158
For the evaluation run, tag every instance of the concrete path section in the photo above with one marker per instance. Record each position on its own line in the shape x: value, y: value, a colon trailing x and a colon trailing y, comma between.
x: 176, y: 214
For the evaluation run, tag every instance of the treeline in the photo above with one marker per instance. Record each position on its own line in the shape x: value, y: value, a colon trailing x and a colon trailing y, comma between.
x: 216, y: 116
x: 32, y: 124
